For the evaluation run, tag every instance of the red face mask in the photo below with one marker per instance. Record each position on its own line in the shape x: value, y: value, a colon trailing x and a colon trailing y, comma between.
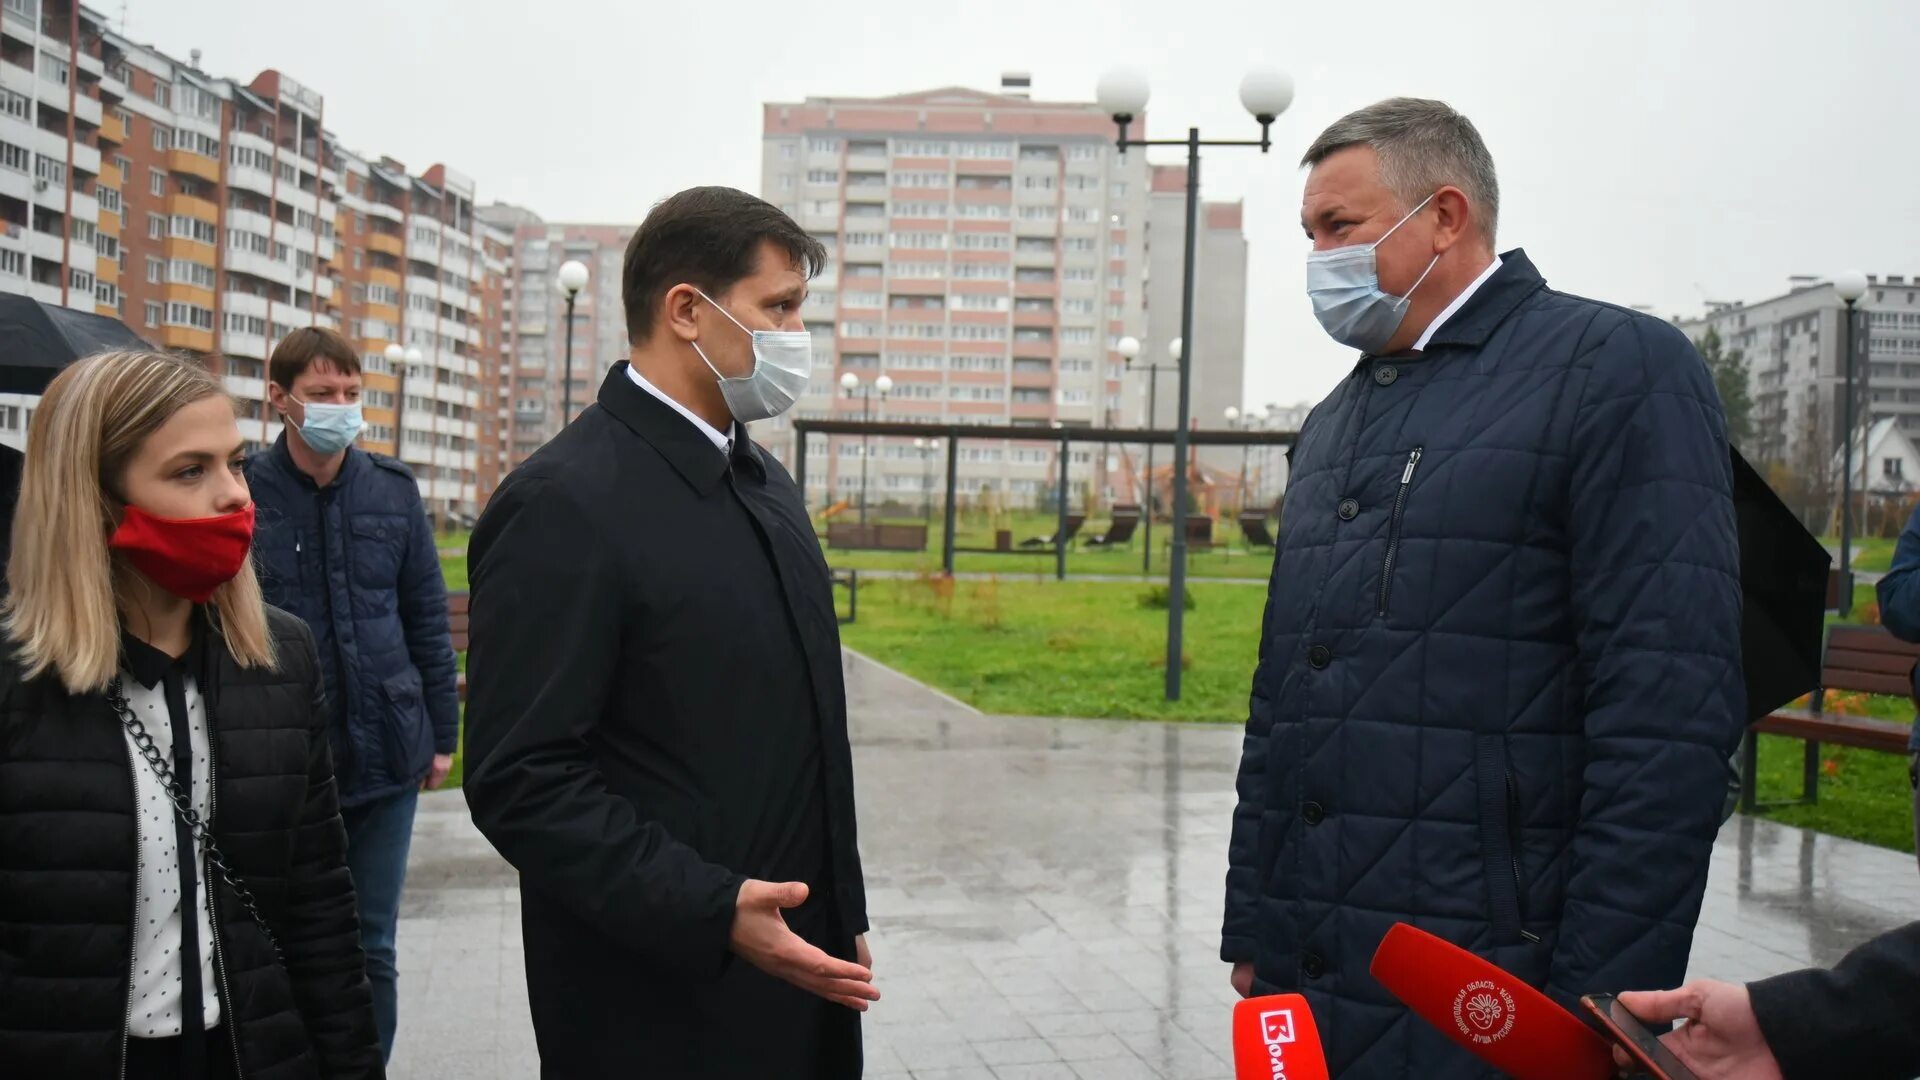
x: 189, y: 558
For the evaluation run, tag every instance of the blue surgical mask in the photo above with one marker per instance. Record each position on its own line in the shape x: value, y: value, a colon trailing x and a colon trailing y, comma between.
x: 329, y: 429
x: 1344, y: 285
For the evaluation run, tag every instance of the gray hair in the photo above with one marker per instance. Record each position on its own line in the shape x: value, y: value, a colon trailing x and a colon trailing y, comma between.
x: 1423, y: 145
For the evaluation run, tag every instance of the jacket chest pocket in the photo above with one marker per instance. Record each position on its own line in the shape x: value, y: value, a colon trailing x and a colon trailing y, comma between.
x: 1396, y: 523
x: 376, y: 546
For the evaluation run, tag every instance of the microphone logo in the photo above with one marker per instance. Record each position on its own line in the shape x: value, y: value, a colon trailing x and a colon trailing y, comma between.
x: 1483, y: 1011
x: 1276, y: 1028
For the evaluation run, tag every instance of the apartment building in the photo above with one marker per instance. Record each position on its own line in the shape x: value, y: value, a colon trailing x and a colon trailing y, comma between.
x: 988, y: 253
x: 1793, y: 347
x: 60, y: 212
x: 214, y: 216
x: 533, y: 385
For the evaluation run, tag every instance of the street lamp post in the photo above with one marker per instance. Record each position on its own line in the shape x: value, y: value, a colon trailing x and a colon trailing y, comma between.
x: 925, y: 447
x: 573, y: 278
x: 1850, y: 286
x: 402, y: 362
x: 1233, y: 421
x: 851, y: 384
x: 1123, y: 94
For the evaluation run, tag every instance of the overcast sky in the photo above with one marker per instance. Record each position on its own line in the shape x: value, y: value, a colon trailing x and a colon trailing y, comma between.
x: 1666, y: 153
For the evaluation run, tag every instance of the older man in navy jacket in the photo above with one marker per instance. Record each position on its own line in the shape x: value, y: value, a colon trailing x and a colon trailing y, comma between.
x: 343, y: 542
x: 1499, y: 676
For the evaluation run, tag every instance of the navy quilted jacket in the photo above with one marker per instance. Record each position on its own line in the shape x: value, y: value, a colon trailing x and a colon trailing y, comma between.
x: 1499, y: 674
x: 358, y: 562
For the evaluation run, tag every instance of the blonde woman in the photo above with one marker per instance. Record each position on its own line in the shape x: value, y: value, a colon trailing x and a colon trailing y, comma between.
x: 152, y: 706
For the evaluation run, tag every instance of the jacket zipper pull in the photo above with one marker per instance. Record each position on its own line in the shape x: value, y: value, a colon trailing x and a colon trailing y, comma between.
x: 1413, y: 459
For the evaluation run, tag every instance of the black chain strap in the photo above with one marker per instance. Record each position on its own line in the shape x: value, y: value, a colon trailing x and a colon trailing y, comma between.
x: 184, y: 807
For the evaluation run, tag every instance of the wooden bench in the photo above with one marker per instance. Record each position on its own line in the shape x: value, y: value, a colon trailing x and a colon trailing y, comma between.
x: 852, y: 536
x: 1861, y: 659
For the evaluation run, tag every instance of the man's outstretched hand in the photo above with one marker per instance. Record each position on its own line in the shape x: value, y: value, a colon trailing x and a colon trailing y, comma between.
x: 761, y: 937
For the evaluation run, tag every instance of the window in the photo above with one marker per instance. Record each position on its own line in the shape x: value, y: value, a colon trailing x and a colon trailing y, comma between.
x: 156, y: 182
x: 965, y: 362
x: 13, y: 262
x: 163, y: 93
x: 1034, y: 274
x: 980, y: 271
x: 918, y: 179
x: 920, y: 148
x: 197, y: 102
x: 787, y: 151
x: 1077, y: 335
x: 987, y: 211
x: 858, y: 299
x: 83, y: 232
x: 16, y: 105
x: 195, y: 143
x: 979, y: 302
x: 162, y: 137
x: 912, y: 209
x: 194, y: 229
x: 53, y: 171
x: 1079, y: 243
x: 786, y: 181
x: 52, y: 67
x: 156, y: 270
x: 246, y: 324
x: 15, y: 157
x: 995, y: 151
x: 109, y: 199
x: 928, y: 241
x: 188, y: 272
x: 866, y: 239
x: 383, y: 294
x: 1076, y: 397
x: 153, y: 313
x: 1077, y: 307
x: 156, y: 227
x: 930, y: 271
x: 1084, y: 151
x: 818, y: 145
x: 1890, y: 468
x: 860, y: 329
x: 970, y: 332
x: 984, y: 241
x: 823, y: 176
x: 1036, y: 212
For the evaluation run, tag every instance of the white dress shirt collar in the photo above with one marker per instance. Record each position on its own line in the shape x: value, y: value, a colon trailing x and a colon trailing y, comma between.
x: 1458, y: 302
x: 721, y: 441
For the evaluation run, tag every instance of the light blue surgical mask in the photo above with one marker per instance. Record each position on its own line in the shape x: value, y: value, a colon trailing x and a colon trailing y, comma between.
x: 328, y: 428
x: 782, y: 364
x: 1344, y: 285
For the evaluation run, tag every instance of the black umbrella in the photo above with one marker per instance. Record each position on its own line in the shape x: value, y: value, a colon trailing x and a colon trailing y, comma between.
x: 37, y: 340
x: 1783, y: 578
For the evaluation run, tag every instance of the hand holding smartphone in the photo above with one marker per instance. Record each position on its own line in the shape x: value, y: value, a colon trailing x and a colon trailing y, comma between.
x: 1627, y: 1032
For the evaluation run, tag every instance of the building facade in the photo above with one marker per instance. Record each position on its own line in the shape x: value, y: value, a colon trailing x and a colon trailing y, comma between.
x: 533, y: 387
x: 988, y: 252
x: 214, y: 216
x: 1793, y: 344
x: 1218, y: 356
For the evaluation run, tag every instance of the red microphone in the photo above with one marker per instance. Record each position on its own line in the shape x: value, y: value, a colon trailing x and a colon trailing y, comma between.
x: 1274, y: 1039
x: 1492, y: 1013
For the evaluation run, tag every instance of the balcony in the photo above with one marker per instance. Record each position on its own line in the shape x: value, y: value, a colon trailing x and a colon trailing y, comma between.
x: 386, y: 244
x: 239, y: 303
x: 245, y: 387
x: 192, y: 164
x: 250, y: 179
x: 113, y: 129
x: 87, y: 110
x: 191, y: 207
x: 183, y: 337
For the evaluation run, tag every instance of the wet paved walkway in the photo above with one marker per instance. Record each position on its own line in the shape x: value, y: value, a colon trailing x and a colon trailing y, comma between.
x: 1045, y: 897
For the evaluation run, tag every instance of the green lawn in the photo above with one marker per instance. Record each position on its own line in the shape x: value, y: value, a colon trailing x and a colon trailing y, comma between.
x: 1078, y: 648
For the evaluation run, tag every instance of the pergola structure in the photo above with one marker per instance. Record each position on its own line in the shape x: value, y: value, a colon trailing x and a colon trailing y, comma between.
x: 1065, y: 436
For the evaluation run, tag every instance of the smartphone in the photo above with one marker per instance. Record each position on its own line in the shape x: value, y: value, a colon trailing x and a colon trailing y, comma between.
x: 1627, y: 1032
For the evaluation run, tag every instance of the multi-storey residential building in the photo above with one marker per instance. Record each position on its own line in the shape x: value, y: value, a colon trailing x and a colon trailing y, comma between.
x: 533, y: 392
x: 988, y: 252
x: 1793, y: 346
x: 208, y: 214
x: 60, y: 209
x: 1218, y: 356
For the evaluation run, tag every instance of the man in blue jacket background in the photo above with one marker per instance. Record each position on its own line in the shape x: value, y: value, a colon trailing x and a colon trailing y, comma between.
x: 343, y: 541
x: 1899, y: 595
x: 1499, y: 675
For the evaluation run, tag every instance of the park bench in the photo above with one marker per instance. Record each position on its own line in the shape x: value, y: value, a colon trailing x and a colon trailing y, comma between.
x: 1861, y: 659
x: 853, y: 536
x: 1126, y: 520
x: 1253, y: 529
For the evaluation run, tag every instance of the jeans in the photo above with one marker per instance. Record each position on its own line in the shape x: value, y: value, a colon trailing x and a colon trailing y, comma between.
x: 1913, y: 775
x: 378, y: 837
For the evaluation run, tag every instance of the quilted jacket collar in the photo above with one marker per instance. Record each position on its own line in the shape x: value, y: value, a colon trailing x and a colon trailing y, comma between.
x: 1483, y: 313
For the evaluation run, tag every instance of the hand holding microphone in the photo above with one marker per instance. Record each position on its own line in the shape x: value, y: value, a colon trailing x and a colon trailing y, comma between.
x: 762, y: 938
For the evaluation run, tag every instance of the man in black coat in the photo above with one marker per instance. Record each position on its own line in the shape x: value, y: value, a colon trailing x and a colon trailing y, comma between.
x: 656, y: 728
x: 1858, y: 1020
